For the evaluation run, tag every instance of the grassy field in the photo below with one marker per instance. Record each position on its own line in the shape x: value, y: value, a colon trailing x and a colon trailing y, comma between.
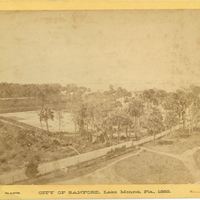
x: 151, y: 168
x: 18, y: 146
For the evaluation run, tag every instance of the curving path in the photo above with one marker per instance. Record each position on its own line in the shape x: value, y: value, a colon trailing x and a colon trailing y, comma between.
x: 104, y: 178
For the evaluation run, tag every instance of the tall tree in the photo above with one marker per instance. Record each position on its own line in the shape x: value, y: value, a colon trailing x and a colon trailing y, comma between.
x: 155, y: 122
x: 136, y: 110
x: 45, y: 115
x: 171, y: 120
x: 179, y: 102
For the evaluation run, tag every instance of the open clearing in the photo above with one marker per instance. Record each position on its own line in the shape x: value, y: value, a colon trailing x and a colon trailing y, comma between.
x: 32, y: 118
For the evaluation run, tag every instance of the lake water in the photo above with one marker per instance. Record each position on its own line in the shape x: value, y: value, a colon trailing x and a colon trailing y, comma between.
x: 32, y: 118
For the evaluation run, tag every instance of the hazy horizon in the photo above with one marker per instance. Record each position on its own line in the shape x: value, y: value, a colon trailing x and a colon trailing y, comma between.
x: 132, y: 49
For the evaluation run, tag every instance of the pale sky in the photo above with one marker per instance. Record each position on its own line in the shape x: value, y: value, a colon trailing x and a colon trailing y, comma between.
x: 132, y: 49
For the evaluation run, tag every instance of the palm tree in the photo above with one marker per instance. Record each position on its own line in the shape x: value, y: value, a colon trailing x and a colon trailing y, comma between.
x: 46, y: 114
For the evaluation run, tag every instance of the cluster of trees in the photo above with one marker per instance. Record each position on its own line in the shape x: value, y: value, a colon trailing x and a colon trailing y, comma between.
x: 116, y: 111
x: 24, y: 97
x: 111, y: 113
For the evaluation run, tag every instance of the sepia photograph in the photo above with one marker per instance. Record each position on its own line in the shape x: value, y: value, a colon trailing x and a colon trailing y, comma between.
x: 99, y: 97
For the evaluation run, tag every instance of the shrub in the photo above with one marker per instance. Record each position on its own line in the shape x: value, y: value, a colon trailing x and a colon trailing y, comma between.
x: 56, y: 142
x: 3, y: 160
x: 123, y: 148
x: 32, y: 170
x: 32, y: 167
x: 116, y: 151
x: 165, y: 142
x: 122, y: 137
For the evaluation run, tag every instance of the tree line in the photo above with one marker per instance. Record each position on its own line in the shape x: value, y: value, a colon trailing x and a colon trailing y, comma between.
x: 14, y: 90
x: 116, y: 113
